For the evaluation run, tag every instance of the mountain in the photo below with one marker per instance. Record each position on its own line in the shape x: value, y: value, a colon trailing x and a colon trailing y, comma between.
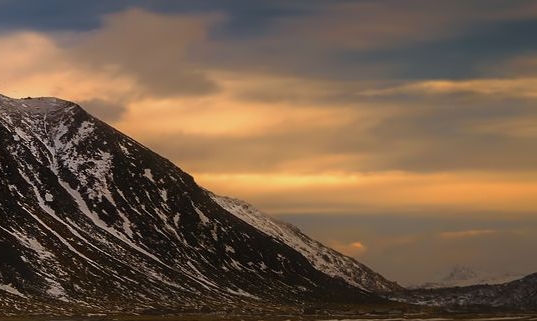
x: 515, y: 295
x: 465, y: 276
x: 91, y: 220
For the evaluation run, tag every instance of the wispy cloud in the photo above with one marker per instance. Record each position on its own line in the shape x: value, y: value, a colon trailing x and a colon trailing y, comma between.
x: 518, y: 127
x: 409, y: 193
x: 354, y: 249
x: 34, y: 64
x: 507, y: 87
x: 466, y: 234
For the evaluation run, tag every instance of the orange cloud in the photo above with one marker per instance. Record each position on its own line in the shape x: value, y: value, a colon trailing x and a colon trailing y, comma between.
x: 34, y: 64
x: 353, y: 249
x: 219, y: 115
x: 521, y: 65
x: 155, y: 49
x: 358, y: 245
x: 507, y: 87
x: 465, y: 234
x: 352, y: 193
x: 518, y: 127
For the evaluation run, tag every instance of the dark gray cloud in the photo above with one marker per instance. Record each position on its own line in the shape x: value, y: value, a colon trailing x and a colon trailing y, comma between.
x: 104, y: 110
x: 222, y: 154
x: 246, y: 17
x: 316, y: 40
x: 54, y: 14
x: 453, y: 58
x: 410, y: 40
x: 444, y: 137
x: 155, y: 50
x: 339, y: 40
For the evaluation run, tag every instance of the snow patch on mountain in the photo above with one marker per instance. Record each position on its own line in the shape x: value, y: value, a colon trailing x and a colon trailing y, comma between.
x: 10, y: 289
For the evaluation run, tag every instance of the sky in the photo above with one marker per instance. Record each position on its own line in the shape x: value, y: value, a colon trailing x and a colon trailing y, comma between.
x: 402, y: 133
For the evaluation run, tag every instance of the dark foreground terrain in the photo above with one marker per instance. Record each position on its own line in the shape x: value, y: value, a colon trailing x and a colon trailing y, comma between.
x: 307, y: 312
x: 380, y: 316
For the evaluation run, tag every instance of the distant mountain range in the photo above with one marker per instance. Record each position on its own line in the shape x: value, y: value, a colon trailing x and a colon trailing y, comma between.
x: 465, y: 276
x: 93, y: 222
x: 515, y: 295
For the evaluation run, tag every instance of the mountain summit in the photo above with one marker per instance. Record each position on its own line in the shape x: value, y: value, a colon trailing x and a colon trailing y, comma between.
x: 465, y: 276
x: 92, y: 220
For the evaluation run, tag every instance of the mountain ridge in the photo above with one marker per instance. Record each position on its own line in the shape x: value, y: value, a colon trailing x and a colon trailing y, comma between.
x: 323, y: 258
x: 520, y: 294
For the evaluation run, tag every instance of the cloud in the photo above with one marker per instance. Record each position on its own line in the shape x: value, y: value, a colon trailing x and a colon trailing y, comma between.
x: 445, y: 135
x: 522, y: 65
x: 465, y: 234
x: 369, y: 40
x: 416, y: 136
x: 134, y: 54
x: 223, y: 116
x: 518, y: 65
x: 34, y: 64
x: 104, y: 110
x: 367, y: 25
x: 404, y: 193
x: 354, y: 249
x: 54, y: 15
x: 169, y: 47
x: 513, y: 87
x: 519, y: 127
x: 160, y: 51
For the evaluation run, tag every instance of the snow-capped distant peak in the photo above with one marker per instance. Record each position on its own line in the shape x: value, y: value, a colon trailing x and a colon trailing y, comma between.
x: 460, y: 273
x: 465, y: 276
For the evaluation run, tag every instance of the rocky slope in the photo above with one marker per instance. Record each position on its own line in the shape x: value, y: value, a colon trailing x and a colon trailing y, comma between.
x: 321, y: 257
